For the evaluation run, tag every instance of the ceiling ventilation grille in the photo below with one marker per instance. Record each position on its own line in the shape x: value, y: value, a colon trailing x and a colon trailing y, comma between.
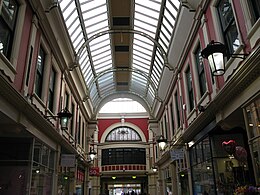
x: 121, y: 21
x: 122, y: 48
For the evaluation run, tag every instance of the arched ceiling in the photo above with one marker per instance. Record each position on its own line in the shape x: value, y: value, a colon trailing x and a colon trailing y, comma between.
x: 121, y: 46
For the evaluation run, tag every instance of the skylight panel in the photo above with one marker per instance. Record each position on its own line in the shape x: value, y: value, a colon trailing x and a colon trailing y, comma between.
x: 104, y: 81
x: 100, y: 25
x: 140, y: 68
x: 71, y: 17
x: 103, y: 44
x: 99, y: 39
x: 78, y: 41
x: 173, y: 6
x: 67, y: 7
x: 148, y: 28
x: 139, y: 65
x: 159, y: 59
x: 91, y: 4
x: 155, y: 79
x: 143, y: 49
x: 156, y: 71
x: 104, y: 51
x: 139, y: 77
x: 149, y: 19
x: 142, y: 60
x: 148, y: 5
x: 103, y: 67
x: 165, y: 32
x: 75, y: 33
x: 91, y: 21
x: 141, y: 54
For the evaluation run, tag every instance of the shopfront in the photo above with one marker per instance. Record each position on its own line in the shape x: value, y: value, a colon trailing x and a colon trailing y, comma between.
x: 220, y: 162
x: 252, y: 118
x: 26, y: 166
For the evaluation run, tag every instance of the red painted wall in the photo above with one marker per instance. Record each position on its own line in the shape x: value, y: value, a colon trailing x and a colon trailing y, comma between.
x: 21, y: 61
x: 142, y: 123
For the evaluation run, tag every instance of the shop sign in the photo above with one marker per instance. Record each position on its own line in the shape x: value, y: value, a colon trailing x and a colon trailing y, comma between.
x: 94, y: 171
x: 68, y: 160
x: 177, y: 154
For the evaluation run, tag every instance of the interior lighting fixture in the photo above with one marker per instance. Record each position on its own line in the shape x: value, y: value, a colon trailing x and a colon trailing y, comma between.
x: 64, y: 115
x: 113, y: 177
x: 92, y: 154
x: 154, y: 169
x: 162, y: 142
x: 134, y: 177
x: 216, y: 52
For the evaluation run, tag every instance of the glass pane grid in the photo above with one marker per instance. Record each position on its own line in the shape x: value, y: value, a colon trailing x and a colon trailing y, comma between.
x: 95, y: 18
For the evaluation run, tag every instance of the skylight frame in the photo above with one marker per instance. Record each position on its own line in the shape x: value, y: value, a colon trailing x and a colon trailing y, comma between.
x: 147, y: 58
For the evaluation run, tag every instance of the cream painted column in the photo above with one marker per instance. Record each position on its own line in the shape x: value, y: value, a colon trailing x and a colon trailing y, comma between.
x: 95, y: 185
x: 152, y: 183
x: 92, y: 142
x: 175, y: 178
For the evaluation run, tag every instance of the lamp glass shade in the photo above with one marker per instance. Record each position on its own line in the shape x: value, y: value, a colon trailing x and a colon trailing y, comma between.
x: 215, y: 53
x: 154, y: 169
x: 92, y: 154
x: 64, y: 122
x: 64, y: 116
x: 216, y: 62
x: 162, y: 144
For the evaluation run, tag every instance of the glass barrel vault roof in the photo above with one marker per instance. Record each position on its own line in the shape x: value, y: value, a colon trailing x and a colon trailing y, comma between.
x: 89, y: 26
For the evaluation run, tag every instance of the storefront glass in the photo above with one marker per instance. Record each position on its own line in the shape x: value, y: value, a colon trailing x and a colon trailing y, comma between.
x: 252, y: 117
x: 15, y: 165
x: 214, y: 170
x: 42, y: 170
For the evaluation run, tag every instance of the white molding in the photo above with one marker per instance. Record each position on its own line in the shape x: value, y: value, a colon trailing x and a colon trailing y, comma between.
x: 113, y: 126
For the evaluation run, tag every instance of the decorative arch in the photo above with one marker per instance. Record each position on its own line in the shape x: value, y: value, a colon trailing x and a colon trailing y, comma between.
x: 122, y: 133
x: 127, y: 124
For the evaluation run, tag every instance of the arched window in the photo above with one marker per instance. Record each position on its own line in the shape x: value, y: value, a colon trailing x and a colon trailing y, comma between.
x: 123, y: 133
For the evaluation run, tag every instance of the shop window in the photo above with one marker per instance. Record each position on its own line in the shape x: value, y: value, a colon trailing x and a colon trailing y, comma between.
x: 200, y: 71
x: 252, y: 115
x: 253, y: 119
x: 228, y: 25
x: 8, y: 15
x: 229, y: 170
x: 39, y: 72
x: 51, y: 90
x: 42, y: 169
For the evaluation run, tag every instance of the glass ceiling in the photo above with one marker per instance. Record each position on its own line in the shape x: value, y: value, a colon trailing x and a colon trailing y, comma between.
x: 88, y: 25
x: 122, y: 105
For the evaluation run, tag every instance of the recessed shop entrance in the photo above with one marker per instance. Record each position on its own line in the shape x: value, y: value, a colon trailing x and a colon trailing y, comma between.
x: 124, y: 185
x: 124, y: 189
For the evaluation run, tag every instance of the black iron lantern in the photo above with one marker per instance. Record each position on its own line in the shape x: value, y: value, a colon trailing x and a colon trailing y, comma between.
x: 154, y: 168
x: 92, y: 154
x: 215, y: 52
x: 162, y: 142
x: 64, y: 115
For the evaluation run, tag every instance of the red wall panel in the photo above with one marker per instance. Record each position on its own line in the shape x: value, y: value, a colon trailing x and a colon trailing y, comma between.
x: 21, y: 61
x: 142, y: 123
